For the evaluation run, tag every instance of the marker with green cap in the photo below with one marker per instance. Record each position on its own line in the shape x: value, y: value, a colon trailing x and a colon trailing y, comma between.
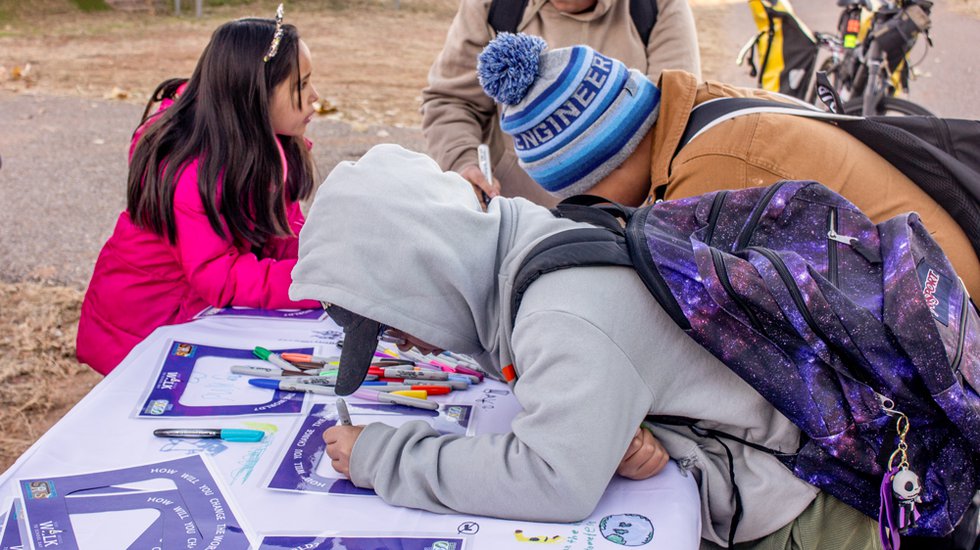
x: 274, y: 358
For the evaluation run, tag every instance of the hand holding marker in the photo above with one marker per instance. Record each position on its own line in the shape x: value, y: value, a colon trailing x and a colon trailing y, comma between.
x: 342, y: 413
x: 483, y: 158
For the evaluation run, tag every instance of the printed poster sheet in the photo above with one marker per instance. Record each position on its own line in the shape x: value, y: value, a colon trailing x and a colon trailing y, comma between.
x: 256, y: 313
x: 301, y: 467
x: 354, y: 542
x: 196, y: 380
x: 174, y: 504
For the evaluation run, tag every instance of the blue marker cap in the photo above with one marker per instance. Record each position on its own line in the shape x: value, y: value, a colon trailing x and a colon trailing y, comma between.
x: 461, y: 378
x: 244, y: 436
x: 264, y: 383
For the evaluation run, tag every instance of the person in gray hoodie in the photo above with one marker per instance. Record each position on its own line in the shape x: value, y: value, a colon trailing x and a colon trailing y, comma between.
x: 393, y: 241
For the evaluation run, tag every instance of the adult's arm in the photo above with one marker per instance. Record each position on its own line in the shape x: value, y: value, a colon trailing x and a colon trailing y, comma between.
x: 455, y: 110
x: 582, y: 401
x: 216, y: 269
x: 673, y: 42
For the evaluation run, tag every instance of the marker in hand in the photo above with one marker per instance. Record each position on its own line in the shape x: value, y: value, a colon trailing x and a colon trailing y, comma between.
x: 483, y: 158
x: 342, y: 413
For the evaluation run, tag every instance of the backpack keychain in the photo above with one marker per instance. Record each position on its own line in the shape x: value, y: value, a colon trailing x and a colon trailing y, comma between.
x: 904, y: 487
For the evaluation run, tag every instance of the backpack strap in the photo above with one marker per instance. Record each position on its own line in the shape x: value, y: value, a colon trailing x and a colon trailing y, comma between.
x: 506, y: 15
x: 595, y: 210
x: 929, y: 161
x: 644, y: 14
x: 590, y: 246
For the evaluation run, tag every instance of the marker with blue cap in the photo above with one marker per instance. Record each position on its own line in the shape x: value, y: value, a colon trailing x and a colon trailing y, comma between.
x: 235, y: 435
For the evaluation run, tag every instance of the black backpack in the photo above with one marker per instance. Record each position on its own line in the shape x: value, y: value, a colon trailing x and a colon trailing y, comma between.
x: 506, y: 15
x: 941, y: 155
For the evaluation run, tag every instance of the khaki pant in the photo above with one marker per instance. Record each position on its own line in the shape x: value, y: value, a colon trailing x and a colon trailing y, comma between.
x: 827, y: 524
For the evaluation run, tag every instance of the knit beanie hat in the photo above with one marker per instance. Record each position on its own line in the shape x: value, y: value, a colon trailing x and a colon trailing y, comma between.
x: 574, y: 114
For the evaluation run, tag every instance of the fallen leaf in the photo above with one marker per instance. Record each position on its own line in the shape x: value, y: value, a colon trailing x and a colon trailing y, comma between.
x: 117, y: 93
x: 323, y: 107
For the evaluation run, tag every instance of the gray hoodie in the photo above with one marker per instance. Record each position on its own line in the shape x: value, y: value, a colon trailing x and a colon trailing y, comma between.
x: 395, y: 239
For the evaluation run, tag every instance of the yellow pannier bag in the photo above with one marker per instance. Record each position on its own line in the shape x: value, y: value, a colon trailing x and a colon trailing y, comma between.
x: 786, y: 49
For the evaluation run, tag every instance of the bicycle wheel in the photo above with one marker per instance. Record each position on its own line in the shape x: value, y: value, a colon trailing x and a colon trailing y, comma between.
x: 887, y: 106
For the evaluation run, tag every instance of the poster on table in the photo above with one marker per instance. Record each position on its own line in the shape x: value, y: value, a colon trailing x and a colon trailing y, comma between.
x: 301, y: 467
x: 363, y: 542
x: 172, y: 504
x: 196, y: 380
x: 238, y: 312
x: 11, y: 526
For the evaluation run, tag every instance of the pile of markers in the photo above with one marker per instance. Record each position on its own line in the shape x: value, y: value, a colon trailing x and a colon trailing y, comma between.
x: 404, y: 378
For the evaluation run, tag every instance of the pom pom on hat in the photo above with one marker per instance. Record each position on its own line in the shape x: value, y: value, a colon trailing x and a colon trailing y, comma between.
x: 509, y: 65
x: 573, y: 113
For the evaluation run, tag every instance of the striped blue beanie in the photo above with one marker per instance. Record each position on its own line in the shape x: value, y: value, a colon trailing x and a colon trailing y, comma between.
x: 575, y: 114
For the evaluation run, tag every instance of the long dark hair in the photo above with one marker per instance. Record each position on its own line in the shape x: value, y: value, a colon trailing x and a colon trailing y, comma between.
x: 222, y: 119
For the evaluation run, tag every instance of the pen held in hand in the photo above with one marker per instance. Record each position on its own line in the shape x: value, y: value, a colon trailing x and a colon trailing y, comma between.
x: 342, y: 413
x: 483, y: 158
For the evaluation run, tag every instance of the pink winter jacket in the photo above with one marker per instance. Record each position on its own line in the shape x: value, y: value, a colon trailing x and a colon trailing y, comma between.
x: 141, y: 281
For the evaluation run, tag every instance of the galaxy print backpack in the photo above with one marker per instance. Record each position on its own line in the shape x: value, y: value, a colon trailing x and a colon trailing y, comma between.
x: 861, y: 334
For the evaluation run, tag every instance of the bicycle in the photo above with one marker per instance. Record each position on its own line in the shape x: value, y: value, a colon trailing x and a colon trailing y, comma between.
x: 866, y: 62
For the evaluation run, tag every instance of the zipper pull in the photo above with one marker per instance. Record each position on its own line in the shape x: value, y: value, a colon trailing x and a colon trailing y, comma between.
x: 835, y: 236
x: 866, y: 252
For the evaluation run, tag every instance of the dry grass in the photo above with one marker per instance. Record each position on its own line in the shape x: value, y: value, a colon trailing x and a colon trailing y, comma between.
x: 106, y: 54
x: 967, y: 7
x: 39, y: 377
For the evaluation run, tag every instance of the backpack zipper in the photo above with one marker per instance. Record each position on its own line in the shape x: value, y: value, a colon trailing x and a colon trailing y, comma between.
x: 746, y: 234
x: 716, y: 205
x: 855, y: 243
x: 719, y: 262
x: 794, y: 290
x: 642, y: 259
x: 832, y: 239
x: 964, y: 318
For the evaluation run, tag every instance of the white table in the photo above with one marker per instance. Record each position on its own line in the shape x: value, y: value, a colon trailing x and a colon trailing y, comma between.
x: 103, y: 432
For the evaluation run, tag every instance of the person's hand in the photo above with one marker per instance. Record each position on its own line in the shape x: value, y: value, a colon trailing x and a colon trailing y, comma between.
x: 480, y: 184
x: 340, y: 441
x: 644, y: 458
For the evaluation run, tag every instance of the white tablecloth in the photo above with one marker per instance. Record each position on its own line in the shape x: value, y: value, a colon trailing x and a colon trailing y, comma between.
x: 103, y: 432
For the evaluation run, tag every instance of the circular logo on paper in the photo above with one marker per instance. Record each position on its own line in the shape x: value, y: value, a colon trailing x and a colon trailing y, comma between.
x: 626, y: 529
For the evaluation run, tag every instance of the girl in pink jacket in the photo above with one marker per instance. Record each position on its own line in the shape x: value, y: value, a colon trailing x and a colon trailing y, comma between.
x: 215, y: 177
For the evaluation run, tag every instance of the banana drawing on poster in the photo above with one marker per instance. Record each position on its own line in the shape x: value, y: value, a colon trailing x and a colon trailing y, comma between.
x: 608, y: 532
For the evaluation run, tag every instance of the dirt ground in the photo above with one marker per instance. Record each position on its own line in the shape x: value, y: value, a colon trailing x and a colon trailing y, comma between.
x: 370, y: 57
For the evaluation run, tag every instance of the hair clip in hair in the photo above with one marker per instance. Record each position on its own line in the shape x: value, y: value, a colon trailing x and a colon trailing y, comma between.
x: 276, y: 38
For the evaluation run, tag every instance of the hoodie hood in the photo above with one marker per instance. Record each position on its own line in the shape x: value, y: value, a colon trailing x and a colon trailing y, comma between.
x: 395, y: 239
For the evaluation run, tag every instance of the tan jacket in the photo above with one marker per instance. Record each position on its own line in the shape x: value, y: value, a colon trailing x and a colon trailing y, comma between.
x: 760, y: 149
x: 457, y: 115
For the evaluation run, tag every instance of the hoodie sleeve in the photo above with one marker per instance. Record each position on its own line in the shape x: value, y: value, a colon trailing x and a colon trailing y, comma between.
x: 216, y: 269
x: 582, y: 401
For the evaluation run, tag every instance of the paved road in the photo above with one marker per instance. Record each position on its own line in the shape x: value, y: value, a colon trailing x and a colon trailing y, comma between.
x: 949, y: 83
x: 63, y: 178
x: 62, y: 181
